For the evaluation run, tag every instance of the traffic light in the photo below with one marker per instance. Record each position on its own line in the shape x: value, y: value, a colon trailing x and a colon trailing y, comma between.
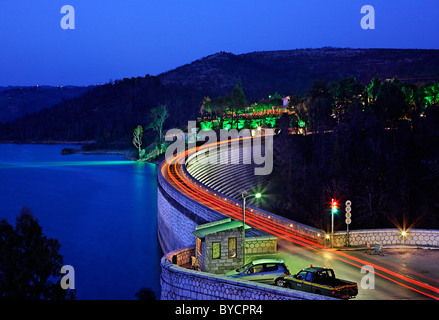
x: 334, y: 206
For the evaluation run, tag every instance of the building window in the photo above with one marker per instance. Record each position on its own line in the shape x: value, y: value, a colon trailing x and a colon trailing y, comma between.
x: 216, y: 250
x: 232, y: 247
x: 199, y: 245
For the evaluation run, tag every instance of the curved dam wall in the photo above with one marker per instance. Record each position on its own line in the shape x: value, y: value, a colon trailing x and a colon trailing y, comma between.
x: 177, y: 216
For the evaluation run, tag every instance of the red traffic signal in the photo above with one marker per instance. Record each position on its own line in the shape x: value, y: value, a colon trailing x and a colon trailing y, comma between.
x: 334, y: 206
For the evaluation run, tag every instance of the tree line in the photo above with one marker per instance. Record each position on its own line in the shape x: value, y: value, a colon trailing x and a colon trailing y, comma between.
x: 106, y: 114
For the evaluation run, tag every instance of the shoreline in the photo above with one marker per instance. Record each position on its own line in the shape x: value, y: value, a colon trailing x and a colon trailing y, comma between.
x: 128, y: 154
x: 85, y: 142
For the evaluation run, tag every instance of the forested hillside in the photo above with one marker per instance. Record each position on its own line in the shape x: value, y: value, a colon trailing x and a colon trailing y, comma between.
x: 110, y: 112
x: 15, y: 102
x: 105, y: 113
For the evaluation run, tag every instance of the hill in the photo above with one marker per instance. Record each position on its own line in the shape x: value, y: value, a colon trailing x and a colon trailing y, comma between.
x: 15, y: 102
x: 110, y: 112
x: 104, y: 114
x: 292, y: 71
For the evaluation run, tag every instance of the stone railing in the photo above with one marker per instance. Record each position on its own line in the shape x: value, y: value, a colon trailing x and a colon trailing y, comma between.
x: 388, y: 237
x: 260, y: 244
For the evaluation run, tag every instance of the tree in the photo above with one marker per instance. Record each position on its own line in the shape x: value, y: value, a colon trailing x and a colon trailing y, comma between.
x: 206, y: 106
x: 373, y: 89
x: 345, y: 92
x: 217, y: 106
x: 158, y: 117
x: 137, y: 138
x: 390, y: 104
x: 29, y: 261
x: 237, y: 100
x: 319, y: 104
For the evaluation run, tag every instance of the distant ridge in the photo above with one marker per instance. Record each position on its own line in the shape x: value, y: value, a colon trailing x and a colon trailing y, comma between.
x: 16, y: 101
x: 292, y: 71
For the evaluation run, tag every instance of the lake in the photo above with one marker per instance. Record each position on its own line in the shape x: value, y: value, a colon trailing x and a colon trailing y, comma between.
x: 101, y: 208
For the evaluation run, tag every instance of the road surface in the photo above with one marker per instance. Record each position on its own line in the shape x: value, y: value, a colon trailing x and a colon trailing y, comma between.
x: 418, y: 269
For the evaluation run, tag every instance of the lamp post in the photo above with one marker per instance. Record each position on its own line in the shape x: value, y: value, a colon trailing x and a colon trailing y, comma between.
x: 244, y: 197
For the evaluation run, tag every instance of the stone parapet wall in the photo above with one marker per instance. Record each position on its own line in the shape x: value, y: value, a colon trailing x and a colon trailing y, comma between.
x: 260, y: 244
x: 181, y: 256
x: 388, y: 237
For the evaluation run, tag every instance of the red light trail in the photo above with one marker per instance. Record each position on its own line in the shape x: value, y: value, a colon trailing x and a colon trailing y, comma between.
x: 174, y: 174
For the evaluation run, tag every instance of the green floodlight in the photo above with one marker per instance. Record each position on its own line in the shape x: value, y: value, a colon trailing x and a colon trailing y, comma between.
x: 258, y: 195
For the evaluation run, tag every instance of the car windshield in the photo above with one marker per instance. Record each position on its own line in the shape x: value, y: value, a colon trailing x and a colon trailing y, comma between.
x: 244, y: 267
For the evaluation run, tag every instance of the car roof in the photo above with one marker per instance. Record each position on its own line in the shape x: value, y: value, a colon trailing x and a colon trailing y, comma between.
x: 314, y: 269
x: 260, y: 261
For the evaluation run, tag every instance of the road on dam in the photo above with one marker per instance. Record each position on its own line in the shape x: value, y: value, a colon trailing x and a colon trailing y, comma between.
x: 416, y: 270
x: 399, y: 274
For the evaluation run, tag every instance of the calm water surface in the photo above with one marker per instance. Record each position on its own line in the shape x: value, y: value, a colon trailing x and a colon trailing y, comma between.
x: 101, y: 208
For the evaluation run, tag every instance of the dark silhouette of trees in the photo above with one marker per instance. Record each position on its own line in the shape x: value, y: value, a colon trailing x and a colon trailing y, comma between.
x: 145, y: 294
x: 232, y: 103
x: 30, y: 263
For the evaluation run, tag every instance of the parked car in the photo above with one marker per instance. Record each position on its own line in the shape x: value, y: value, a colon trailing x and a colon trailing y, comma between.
x: 271, y: 271
x: 321, y: 281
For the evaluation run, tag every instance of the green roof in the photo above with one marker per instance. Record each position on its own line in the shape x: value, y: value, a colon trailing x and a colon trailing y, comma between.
x: 222, y: 225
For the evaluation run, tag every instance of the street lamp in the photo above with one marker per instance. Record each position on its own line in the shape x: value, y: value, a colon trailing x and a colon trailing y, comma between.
x: 244, y: 197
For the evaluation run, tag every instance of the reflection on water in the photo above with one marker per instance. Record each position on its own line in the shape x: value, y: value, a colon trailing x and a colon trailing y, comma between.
x: 101, y: 208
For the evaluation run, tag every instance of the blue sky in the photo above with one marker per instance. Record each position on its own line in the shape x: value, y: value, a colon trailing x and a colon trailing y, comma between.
x: 116, y: 39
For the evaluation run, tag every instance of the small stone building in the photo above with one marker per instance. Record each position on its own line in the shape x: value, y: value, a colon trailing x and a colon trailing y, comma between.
x: 218, y: 245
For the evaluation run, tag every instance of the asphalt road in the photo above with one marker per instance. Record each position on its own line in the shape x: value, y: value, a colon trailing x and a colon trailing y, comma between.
x: 413, y: 274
